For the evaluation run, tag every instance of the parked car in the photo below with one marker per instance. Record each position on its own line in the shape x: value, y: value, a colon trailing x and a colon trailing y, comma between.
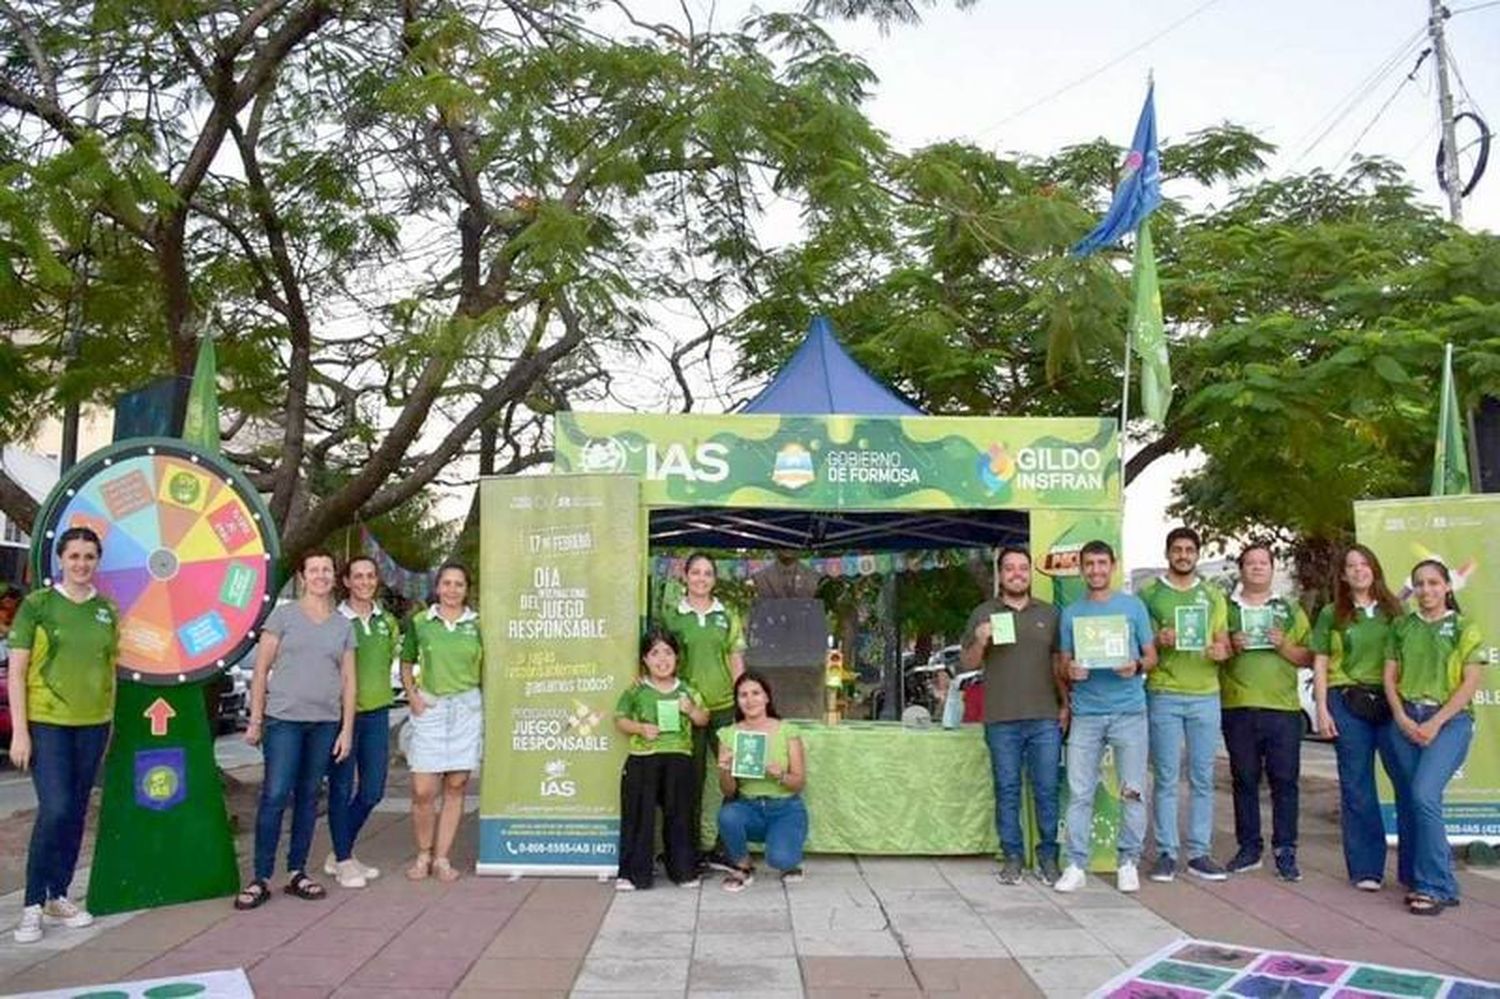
x: 1309, y: 705
x: 5, y: 724
x: 227, y: 698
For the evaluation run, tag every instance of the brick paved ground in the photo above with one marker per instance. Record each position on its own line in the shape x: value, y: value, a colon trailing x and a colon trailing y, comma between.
x: 859, y: 926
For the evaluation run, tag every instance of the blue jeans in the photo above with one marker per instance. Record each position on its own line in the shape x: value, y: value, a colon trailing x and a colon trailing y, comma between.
x: 1420, y: 774
x: 297, y: 755
x: 1125, y: 734
x: 64, y: 762
x: 1035, y: 745
x: 1177, y: 719
x: 779, y: 823
x: 347, y: 808
x: 1359, y: 807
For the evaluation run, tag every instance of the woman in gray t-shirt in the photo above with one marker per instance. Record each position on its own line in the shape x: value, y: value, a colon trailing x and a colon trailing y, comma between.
x: 302, y: 715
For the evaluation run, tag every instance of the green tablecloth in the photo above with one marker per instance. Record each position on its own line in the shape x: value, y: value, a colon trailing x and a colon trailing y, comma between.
x: 879, y: 788
x: 876, y: 787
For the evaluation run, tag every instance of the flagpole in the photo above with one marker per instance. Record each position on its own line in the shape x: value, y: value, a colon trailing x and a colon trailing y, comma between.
x: 1125, y: 390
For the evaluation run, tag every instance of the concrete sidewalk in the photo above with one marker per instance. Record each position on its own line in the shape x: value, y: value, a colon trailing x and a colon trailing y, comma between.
x: 858, y: 926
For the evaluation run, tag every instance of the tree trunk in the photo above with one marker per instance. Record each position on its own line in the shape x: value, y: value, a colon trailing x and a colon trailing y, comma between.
x: 1317, y: 568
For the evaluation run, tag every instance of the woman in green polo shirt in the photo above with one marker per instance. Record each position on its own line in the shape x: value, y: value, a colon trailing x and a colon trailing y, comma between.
x: 1434, y: 657
x: 713, y: 657
x: 660, y: 713
x: 63, y: 647
x: 765, y: 809
x: 441, y: 658
x: 1348, y: 644
x: 377, y: 637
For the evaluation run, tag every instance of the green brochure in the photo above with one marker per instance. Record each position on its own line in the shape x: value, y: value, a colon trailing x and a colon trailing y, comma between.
x: 1101, y: 642
x: 749, y: 754
x: 1002, y: 628
x: 1256, y: 623
x: 1191, y: 623
x: 669, y: 715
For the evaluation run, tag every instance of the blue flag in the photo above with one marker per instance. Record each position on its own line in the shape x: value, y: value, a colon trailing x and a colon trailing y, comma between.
x: 1139, y: 190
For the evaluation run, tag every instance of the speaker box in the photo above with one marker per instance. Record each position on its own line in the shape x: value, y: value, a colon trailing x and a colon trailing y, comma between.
x: 786, y: 640
x: 1487, y: 443
x: 157, y: 409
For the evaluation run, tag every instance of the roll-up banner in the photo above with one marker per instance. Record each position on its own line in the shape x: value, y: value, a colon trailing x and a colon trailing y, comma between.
x: 1464, y: 532
x: 560, y: 615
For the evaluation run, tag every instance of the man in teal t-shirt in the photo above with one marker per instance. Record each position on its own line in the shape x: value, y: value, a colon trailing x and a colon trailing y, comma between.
x: 1192, y: 631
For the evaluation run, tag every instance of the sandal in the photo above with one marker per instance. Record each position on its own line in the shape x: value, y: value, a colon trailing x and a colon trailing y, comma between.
x: 1424, y: 905
x: 444, y: 871
x: 252, y: 896
x: 793, y: 876
x: 739, y: 879
x: 421, y: 867
x: 304, y: 887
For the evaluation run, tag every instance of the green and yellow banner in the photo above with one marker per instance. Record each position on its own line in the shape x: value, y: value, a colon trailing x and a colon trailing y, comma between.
x: 850, y: 462
x: 1464, y: 532
x: 560, y: 640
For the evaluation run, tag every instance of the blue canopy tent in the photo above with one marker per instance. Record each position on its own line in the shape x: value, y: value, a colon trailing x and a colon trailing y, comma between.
x: 821, y: 378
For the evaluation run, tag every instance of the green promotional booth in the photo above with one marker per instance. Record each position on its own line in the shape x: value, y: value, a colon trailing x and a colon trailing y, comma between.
x: 562, y: 589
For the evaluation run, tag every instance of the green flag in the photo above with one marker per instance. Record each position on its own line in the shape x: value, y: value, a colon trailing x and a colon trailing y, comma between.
x: 1450, y: 458
x: 200, y: 425
x: 1146, y: 327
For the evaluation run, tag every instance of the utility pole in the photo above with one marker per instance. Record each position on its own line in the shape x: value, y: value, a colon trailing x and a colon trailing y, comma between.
x: 1451, y: 183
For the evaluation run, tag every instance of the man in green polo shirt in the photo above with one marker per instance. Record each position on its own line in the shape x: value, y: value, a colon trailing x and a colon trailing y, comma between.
x: 1262, y: 710
x: 1192, y: 632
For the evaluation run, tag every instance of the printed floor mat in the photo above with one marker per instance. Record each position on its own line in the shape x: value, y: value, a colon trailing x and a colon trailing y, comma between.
x: 1193, y: 969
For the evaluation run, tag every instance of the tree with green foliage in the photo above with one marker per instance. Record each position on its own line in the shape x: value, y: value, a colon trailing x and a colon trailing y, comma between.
x: 1306, y: 316
x: 409, y: 224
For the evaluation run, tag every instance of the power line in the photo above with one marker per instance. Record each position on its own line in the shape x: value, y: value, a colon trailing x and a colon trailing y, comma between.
x: 1100, y: 69
x: 1354, y: 98
x: 1366, y: 130
x: 1473, y: 7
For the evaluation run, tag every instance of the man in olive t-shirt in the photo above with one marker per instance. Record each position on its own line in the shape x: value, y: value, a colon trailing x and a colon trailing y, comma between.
x: 1025, y: 708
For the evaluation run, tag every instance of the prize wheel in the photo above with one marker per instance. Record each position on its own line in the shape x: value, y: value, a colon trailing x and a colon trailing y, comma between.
x: 189, y: 554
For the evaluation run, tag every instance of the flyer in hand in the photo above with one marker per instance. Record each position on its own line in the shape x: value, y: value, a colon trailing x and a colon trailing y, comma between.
x: 669, y: 715
x: 1192, y: 628
x: 1002, y: 628
x: 749, y: 754
x: 1256, y: 623
x: 1101, y: 642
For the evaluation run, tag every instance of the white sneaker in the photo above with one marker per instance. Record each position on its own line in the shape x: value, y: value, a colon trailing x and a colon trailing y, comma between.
x: 371, y: 873
x: 331, y: 865
x: 29, y: 929
x: 60, y: 910
x: 1072, y: 879
x: 1127, y: 878
x: 350, y: 873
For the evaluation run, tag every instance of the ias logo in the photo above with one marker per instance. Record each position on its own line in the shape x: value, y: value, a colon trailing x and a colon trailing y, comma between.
x: 603, y: 455
x: 553, y: 783
x: 996, y: 468
x: 794, y: 467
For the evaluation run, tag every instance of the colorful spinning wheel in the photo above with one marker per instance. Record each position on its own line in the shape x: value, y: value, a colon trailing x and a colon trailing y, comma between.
x: 189, y: 554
